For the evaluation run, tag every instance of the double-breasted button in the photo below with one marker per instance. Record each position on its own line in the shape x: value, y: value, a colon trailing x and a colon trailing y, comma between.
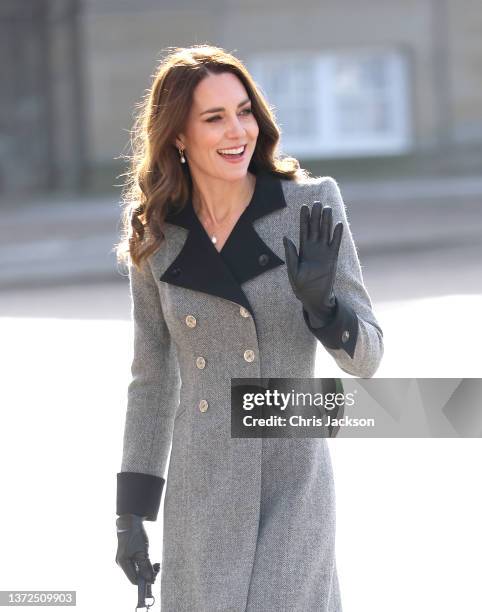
x: 263, y: 259
x: 175, y: 271
x: 345, y: 336
x: 243, y: 312
x: 249, y: 355
x: 203, y: 405
x: 201, y: 363
x: 191, y: 321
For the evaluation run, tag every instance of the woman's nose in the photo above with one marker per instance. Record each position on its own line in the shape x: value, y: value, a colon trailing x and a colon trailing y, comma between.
x: 235, y: 127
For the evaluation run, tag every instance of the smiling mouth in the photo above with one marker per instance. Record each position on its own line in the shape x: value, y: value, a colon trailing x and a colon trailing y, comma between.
x: 233, y: 155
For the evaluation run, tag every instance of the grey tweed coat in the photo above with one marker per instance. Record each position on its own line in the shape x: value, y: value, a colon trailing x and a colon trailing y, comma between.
x: 249, y: 523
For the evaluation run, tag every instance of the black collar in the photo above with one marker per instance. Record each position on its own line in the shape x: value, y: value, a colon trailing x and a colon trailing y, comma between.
x: 245, y: 255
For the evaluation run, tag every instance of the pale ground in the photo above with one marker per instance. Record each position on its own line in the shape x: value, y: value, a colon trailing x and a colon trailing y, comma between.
x: 409, y: 534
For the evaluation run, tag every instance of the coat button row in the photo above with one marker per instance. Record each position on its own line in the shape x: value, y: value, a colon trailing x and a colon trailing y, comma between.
x: 191, y: 320
x: 203, y: 405
x: 201, y: 362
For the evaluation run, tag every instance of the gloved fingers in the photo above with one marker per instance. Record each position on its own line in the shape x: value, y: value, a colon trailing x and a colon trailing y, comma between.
x: 291, y: 260
x: 326, y: 222
x: 314, y: 234
x: 304, y: 227
x: 128, y: 566
x: 337, y: 235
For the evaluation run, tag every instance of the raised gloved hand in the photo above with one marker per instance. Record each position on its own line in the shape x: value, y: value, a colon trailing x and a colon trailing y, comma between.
x: 133, y: 546
x: 312, y: 272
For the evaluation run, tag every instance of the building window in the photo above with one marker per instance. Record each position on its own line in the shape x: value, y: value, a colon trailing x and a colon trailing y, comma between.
x: 337, y: 104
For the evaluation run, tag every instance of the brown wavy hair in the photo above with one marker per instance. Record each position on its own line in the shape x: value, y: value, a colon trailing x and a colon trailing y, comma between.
x: 156, y: 181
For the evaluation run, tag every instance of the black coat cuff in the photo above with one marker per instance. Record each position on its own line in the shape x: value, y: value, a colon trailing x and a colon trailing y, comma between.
x: 341, y: 332
x: 139, y: 493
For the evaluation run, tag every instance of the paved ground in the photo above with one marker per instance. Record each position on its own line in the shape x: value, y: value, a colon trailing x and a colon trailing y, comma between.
x: 65, y: 365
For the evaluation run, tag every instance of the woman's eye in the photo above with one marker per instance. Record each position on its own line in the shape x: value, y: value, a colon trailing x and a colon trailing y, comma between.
x: 211, y: 119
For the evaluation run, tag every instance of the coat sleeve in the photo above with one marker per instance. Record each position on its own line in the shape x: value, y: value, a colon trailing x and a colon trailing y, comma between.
x: 353, y: 336
x: 152, y: 399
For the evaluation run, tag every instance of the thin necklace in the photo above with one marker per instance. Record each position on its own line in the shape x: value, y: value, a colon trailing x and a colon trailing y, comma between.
x: 213, y: 236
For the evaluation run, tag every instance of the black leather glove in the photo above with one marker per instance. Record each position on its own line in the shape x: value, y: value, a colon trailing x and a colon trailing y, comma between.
x: 312, y: 272
x: 133, y: 546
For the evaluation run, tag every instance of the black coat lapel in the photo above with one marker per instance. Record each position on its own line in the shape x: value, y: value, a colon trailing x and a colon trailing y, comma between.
x: 244, y: 256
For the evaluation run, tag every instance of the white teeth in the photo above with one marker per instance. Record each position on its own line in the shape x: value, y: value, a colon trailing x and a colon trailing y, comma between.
x: 233, y: 151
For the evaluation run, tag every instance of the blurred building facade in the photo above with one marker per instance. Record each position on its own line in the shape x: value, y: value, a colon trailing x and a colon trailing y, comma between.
x: 365, y: 88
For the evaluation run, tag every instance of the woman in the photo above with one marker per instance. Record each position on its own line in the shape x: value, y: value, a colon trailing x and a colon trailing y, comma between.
x: 219, y: 291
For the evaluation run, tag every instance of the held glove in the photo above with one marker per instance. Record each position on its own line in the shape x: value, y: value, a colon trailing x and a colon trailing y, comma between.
x: 312, y: 272
x: 133, y: 546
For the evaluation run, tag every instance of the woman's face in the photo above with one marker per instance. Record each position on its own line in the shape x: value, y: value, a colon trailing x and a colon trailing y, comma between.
x: 232, y: 125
